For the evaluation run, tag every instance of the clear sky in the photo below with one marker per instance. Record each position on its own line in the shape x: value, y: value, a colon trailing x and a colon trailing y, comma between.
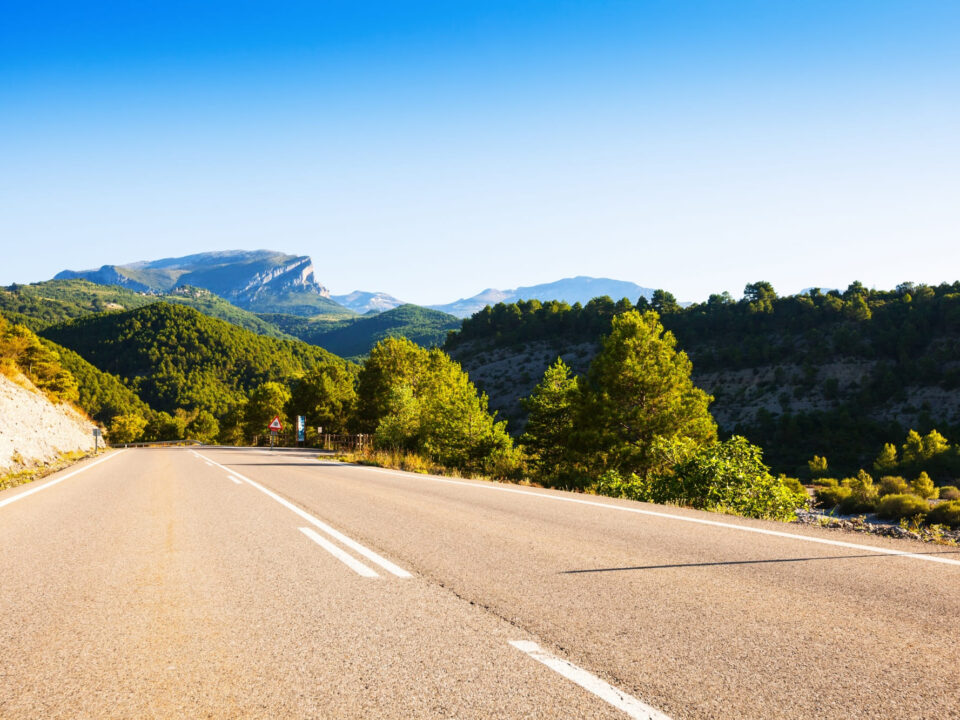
x: 431, y: 150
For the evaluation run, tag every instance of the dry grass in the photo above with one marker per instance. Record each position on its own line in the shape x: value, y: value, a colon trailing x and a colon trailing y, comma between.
x: 29, y: 474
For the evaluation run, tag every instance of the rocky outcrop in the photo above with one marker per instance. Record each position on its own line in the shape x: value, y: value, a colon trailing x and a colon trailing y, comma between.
x: 246, y: 278
x: 295, y: 276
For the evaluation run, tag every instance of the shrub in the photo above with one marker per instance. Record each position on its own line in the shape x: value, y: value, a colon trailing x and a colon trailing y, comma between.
x: 945, y: 513
x: 729, y: 477
x: 832, y: 496
x: 923, y: 487
x: 504, y: 464
x: 901, y: 505
x: 949, y: 492
x: 726, y: 477
x: 817, y: 466
x: 826, y: 482
x: 855, y: 505
x: 893, y: 485
x: 613, y: 484
x: 863, y: 494
x: 793, y: 484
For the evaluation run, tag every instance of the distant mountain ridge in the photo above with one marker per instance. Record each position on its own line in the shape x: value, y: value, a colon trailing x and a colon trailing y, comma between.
x: 267, y: 281
x: 580, y: 289
x: 364, y: 302
x: 262, y: 280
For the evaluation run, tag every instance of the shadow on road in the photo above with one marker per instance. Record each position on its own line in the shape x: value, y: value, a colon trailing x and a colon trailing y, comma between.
x: 752, y: 562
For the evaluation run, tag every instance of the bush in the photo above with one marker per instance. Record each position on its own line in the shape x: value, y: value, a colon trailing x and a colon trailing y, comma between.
x: 949, y: 492
x: 729, y: 477
x: 826, y: 482
x: 725, y: 477
x: 945, y: 513
x: 863, y: 494
x: 855, y: 505
x: 923, y: 487
x: 793, y: 484
x: 830, y: 497
x: 893, y: 485
x: 613, y: 484
x: 901, y: 505
x: 504, y: 464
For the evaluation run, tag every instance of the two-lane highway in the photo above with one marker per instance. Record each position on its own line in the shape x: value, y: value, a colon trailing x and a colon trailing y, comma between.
x: 250, y: 583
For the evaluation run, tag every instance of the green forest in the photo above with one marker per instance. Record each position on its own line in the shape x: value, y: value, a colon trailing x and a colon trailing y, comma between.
x: 355, y: 336
x: 902, y: 339
x: 41, y: 305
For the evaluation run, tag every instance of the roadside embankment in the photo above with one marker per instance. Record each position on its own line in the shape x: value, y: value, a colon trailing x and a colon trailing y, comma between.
x: 36, y: 433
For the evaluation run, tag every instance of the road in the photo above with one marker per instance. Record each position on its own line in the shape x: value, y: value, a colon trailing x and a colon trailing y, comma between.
x: 228, y: 583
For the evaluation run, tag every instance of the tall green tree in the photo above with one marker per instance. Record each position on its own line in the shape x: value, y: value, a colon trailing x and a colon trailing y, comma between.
x: 553, y: 409
x: 664, y: 302
x: 886, y: 461
x: 266, y: 401
x: 393, y: 361
x: 639, y: 390
x: 326, y: 396
x: 421, y: 400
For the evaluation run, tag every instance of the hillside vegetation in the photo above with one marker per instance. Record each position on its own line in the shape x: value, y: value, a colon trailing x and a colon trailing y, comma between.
x: 357, y: 335
x: 41, y: 305
x: 56, y: 301
x: 836, y: 374
x: 41, y: 424
x: 175, y: 357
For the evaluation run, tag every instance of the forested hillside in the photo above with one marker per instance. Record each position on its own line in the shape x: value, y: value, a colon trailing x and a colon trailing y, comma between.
x: 101, y: 395
x: 175, y: 357
x: 836, y: 374
x: 47, y: 303
x: 56, y: 301
x: 356, y: 336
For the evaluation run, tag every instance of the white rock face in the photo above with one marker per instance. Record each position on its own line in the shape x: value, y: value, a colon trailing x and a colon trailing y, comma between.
x: 33, y: 430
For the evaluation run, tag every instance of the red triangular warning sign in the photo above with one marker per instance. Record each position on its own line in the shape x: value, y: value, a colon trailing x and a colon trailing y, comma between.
x: 275, y: 424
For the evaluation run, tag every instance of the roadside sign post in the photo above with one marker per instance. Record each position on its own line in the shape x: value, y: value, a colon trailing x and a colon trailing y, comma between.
x: 274, y: 427
x: 96, y: 440
x: 301, y: 429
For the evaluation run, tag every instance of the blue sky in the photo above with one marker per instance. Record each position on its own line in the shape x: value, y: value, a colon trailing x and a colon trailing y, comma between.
x: 431, y: 150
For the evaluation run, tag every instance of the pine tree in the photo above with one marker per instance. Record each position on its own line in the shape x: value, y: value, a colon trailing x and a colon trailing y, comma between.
x: 924, y: 487
x: 639, y: 390
x: 887, y: 459
x: 551, y: 424
x: 818, y: 466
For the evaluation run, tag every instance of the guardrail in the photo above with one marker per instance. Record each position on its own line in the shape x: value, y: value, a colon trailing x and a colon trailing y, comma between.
x: 158, y: 443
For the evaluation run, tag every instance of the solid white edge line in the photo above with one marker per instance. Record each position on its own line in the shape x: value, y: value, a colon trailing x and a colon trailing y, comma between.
x: 336, y: 534
x: 590, y: 682
x: 355, y: 565
x: 31, y: 491
x: 670, y: 516
x: 237, y: 481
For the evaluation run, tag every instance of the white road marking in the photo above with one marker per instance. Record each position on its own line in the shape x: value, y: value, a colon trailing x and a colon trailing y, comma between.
x: 670, y: 516
x: 355, y: 565
x: 590, y: 682
x: 31, y: 491
x: 237, y: 481
x: 335, y: 534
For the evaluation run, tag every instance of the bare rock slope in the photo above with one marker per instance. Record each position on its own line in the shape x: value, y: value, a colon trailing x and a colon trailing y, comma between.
x: 35, y: 431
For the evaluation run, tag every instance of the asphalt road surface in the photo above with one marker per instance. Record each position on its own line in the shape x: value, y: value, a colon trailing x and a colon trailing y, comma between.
x: 228, y: 583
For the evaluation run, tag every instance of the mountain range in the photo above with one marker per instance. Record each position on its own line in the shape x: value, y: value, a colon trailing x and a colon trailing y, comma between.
x: 266, y: 281
x: 580, y: 289
x: 258, y: 280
